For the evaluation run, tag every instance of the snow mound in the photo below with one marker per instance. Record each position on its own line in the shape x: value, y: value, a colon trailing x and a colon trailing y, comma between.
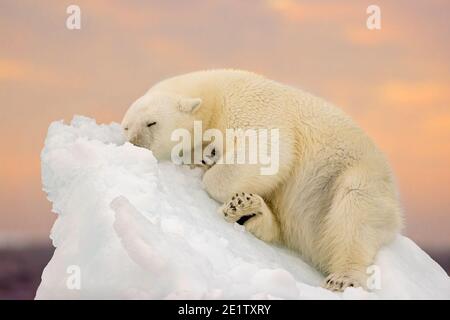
x: 131, y: 228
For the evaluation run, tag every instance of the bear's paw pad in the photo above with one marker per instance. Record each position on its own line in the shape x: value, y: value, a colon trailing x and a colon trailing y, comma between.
x: 242, y: 207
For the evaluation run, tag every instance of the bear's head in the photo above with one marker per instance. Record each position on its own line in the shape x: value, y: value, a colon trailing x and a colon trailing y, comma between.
x: 151, y: 119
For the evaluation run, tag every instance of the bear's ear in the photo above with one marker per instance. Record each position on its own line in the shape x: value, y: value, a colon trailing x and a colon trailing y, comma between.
x: 189, y: 104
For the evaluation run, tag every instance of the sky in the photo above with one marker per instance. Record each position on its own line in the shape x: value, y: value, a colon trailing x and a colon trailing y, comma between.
x: 394, y: 81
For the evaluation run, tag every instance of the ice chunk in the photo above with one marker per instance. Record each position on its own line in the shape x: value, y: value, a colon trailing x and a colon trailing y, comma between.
x: 130, y: 227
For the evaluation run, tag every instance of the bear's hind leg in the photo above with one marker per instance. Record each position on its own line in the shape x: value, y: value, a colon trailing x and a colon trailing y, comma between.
x: 347, y: 246
x: 250, y: 210
x: 363, y: 216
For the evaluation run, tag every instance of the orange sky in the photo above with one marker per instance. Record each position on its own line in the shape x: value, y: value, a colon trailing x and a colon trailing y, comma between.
x: 394, y: 81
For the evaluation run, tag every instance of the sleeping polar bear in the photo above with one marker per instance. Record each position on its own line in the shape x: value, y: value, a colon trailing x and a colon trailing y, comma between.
x: 333, y: 198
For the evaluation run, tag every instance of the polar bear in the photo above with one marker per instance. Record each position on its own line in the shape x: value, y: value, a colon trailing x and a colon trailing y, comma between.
x: 333, y: 199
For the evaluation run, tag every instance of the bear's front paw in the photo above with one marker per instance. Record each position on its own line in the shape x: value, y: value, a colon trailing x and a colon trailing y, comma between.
x: 339, y: 282
x: 210, y: 159
x: 242, y: 207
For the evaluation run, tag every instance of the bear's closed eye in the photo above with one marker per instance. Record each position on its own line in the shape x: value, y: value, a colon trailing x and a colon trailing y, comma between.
x: 150, y: 124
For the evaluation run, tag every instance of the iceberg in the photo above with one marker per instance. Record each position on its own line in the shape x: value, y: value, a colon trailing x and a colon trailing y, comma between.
x: 129, y: 227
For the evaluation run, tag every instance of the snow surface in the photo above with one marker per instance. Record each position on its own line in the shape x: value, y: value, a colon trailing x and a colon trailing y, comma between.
x: 138, y: 229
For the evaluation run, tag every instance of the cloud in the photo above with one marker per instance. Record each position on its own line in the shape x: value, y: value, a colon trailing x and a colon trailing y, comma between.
x: 313, y: 11
x: 14, y: 71
x: 415, y: 94
x: 11, y: 70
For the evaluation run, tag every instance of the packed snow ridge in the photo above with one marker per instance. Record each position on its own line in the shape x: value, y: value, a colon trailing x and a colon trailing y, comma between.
x: 129, y: 227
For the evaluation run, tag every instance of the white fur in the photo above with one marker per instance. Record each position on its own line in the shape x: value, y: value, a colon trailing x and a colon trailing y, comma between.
x: 334, y: 198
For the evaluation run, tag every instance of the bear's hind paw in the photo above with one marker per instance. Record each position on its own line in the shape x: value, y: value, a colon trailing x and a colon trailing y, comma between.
x: 339, y: 282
